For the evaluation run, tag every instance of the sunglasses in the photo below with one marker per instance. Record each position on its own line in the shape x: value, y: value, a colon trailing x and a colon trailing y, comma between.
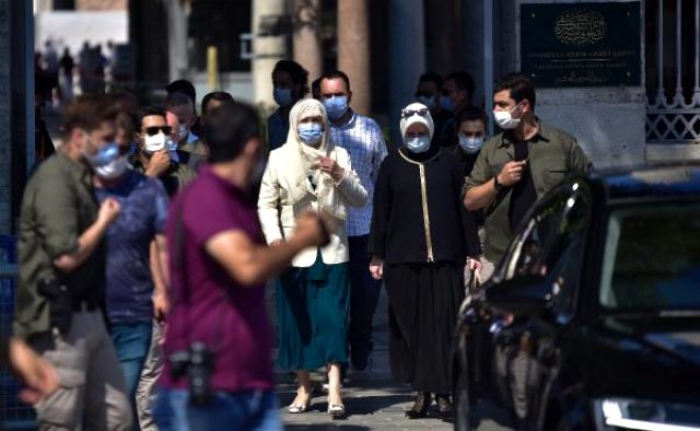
x: 152, y: 131
x: 410, y: 112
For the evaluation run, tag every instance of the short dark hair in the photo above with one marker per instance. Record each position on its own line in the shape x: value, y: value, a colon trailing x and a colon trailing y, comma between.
x: 463, y: 80
x: 431, y: 77
x: 178, y: 99
x: 183, y: 86
x: 296, y: 71
x: 520, y: 87
x: 228, y: 128
x: 88, y: 112
x: 150, y: 111
x: 127, y: 122
x: 337, y: 74
x: 470, y: 113
x: 221, y: 96
x: 316, y: 88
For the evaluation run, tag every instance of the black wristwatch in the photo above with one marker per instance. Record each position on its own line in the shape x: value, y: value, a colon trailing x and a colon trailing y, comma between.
x: 496, y: 185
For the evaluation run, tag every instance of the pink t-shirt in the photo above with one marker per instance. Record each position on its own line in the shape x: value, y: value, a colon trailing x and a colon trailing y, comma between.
x: 230, y: 319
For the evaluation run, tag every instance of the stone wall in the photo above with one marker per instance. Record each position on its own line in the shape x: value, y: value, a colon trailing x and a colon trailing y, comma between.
x: 609, y: 122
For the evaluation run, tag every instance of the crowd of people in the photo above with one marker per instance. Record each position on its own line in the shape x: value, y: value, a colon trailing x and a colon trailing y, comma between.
x: 146, y: 242
x: 93, y: 69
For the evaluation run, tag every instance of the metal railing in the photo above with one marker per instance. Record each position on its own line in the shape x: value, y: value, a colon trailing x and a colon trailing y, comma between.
x: 14, y: 415
x: 675, y: 119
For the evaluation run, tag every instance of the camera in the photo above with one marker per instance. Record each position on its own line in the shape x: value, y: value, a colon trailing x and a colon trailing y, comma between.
x: 60, y: 304
x: 197, y: 363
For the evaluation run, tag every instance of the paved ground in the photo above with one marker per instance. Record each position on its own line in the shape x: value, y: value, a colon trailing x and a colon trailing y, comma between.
x: 373, y: 401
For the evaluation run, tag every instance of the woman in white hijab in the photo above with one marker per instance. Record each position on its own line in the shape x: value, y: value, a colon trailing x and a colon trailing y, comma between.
x: 310, y: 173
x: 421, y: 239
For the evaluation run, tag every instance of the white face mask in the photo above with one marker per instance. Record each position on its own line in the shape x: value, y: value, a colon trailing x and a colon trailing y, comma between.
x: 470, y: 145
x: 155, y: 143
x: 505, y: 120
x: 114, y: 169
x: 418, y: 144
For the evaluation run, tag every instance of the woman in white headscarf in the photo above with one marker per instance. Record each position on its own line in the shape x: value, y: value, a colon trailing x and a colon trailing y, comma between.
x: 421, y: 239
x: 310, y: 173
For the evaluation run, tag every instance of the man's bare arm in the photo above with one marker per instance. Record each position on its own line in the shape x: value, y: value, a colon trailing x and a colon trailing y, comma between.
x: 481, y: 196
x: 88, y: 241
x: 250, y: 263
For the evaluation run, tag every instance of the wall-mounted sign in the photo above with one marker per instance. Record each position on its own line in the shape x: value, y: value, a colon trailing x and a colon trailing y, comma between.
x: 581, y: 44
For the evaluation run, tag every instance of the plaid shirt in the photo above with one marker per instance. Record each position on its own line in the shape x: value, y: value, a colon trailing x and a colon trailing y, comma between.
x: 363, y: 139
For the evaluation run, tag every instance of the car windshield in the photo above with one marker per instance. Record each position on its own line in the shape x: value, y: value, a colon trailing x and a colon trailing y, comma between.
x: 652, y: 259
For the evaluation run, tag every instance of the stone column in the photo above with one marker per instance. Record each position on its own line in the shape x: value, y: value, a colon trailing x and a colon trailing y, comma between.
x: 407, y: 57
x: 177, y: 37
x: 353, y: 51
x: 269, y: 46
x: 307, y: 39
x: 474, y: 47
x: 443, y: 22
x: 148, y: 44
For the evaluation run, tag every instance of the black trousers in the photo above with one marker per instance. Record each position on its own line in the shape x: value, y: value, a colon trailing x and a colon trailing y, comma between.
x: 423, y: 303
x: 364, y: 295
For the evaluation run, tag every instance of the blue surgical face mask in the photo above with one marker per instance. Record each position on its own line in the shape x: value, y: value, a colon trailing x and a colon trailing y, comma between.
x: 336, y: 106
x: 418, y: 144
x: 447, y: 104
x: 470, y: 145
x: 430, y: 102
x: 310, y: 133
x: 107, y: 154
x: 283, y: 96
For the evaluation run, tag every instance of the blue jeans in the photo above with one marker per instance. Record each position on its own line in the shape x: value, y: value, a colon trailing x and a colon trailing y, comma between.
x: 228, y: 411
x: 132, y: 341
x: 364, y: 295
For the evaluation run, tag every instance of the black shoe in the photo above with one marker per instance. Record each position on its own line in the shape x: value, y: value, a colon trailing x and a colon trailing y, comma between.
x: 359, y: 360
x: 420, y: 406
x: 445, y: 407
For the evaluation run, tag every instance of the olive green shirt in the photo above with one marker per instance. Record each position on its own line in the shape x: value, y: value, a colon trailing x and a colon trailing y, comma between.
x: 197, y: 153
x: 58, y: 206
x: 553, y: 155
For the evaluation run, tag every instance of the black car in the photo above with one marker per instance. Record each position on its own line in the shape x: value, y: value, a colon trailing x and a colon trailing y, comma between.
x: 592, y: 318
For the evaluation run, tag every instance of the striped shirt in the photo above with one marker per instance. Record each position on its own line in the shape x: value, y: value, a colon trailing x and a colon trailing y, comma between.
x: 363, y: 139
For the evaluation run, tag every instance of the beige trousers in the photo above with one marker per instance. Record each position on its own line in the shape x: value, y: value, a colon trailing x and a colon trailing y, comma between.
x: 146, y: 390
x: 91, y: 380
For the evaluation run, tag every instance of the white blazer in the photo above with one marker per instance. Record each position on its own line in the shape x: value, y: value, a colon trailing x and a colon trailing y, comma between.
x: 278, y: 213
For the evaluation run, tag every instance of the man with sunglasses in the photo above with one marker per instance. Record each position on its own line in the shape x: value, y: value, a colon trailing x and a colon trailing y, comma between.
x: 519, y: 165
x: 61, y: 285
x: 154, y: 157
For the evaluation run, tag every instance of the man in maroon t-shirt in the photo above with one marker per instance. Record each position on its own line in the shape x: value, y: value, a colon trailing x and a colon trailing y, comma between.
x: 218, y: 268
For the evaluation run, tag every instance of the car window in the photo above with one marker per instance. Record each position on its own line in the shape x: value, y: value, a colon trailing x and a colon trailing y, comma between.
x: 566, y: 275
x: 530, y: 246
x: 552, y: 242
x: 652, y: 259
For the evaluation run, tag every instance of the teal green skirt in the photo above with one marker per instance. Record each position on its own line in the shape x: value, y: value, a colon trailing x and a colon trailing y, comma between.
x: 312, y: 313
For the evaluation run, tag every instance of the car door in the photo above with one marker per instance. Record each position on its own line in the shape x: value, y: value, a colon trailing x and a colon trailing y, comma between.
x: 549, y: 245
